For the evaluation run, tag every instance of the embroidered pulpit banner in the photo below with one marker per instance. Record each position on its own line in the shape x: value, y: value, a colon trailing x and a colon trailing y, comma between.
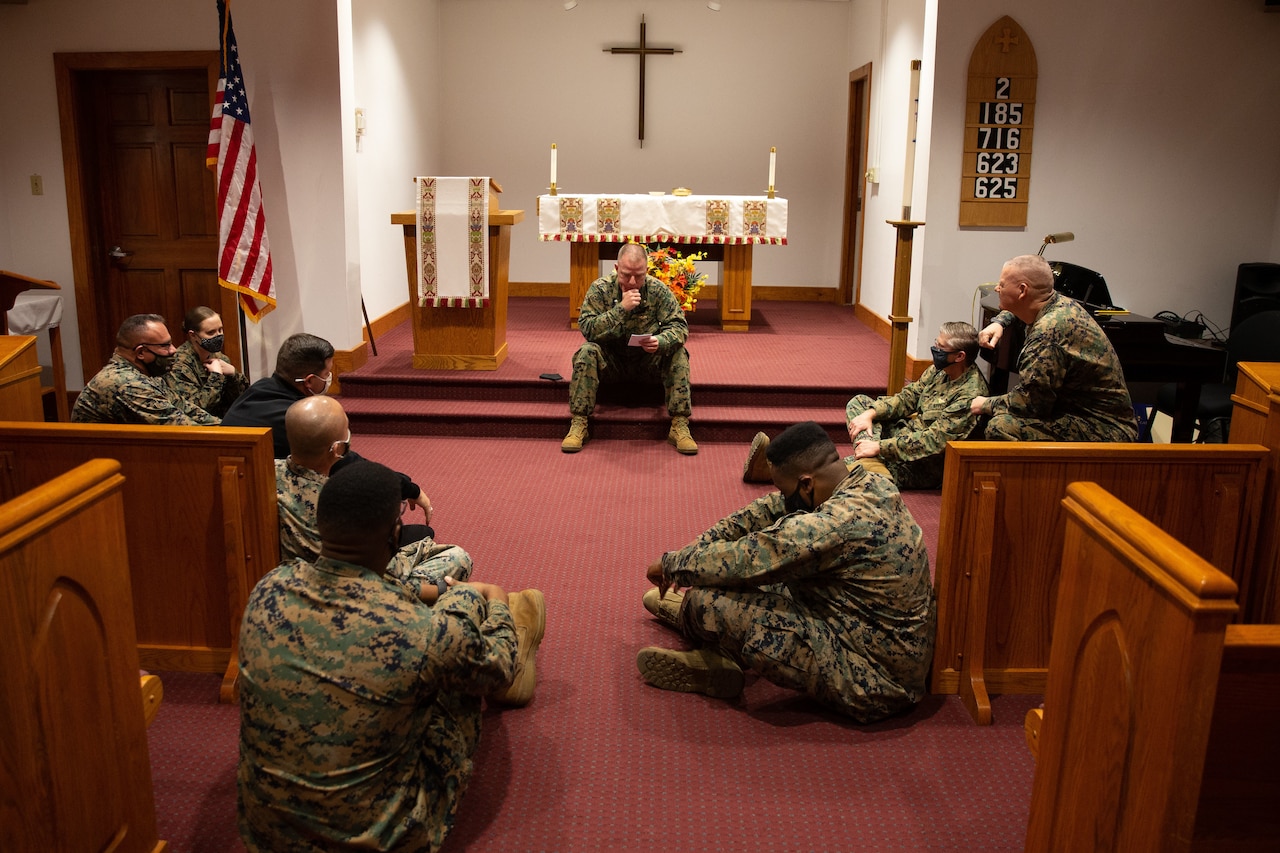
x: 731, y: 219
x: 453, y: 242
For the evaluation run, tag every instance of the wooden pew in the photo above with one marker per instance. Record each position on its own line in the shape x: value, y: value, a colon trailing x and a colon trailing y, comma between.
x: 1000, y: 540
x: 200, y: 519
x: 76, y: 771
x: 1157, y: 732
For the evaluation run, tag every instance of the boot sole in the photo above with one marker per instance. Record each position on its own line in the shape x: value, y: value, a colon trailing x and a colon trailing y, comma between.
x: 687, y: 672
x: 671, y: 441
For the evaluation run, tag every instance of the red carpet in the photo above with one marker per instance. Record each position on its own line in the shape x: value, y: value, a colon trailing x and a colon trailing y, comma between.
x: 800, y: 361
x: 599, y: 761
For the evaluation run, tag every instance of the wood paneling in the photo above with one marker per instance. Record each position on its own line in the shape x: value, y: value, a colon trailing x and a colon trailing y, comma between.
x: 76, y: 772
x: 200, y: 517
x: 1001, y: 538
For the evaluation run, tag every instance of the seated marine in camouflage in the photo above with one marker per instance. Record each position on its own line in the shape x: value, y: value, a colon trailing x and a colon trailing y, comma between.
x: 360, y: 705
x: 908, y: 431
x: 131, y: 388
x: 822, y: 587
x: 635, y: 331
x: 201, y: 374
x: 1071, y: 384
x: 319, y: 436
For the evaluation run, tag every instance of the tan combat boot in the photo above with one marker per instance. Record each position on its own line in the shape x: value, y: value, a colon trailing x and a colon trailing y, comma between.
x: 756, y: 468
x: 665, y: 607
x: 529, y: 612
x: 679, y: 437
x: 577, y: 435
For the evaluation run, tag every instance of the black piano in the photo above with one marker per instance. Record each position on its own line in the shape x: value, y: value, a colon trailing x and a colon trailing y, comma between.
x: 1146, y: 352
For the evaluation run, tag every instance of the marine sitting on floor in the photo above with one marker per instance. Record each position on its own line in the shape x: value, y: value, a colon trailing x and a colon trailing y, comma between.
x: 822, y: 587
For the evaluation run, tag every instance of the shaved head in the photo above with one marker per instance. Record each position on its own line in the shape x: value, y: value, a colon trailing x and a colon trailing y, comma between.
x: 313, y: 424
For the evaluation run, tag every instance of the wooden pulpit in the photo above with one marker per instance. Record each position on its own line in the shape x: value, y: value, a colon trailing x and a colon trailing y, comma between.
x: 462, y: 338
x: 11, y: 284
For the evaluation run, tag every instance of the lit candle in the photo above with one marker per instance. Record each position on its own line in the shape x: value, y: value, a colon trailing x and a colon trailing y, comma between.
x: 553, y: 164
x: 773, y: 162
x: 912, y: 111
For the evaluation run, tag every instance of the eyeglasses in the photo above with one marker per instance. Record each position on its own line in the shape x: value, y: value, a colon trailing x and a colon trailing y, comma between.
x: 166, y: 345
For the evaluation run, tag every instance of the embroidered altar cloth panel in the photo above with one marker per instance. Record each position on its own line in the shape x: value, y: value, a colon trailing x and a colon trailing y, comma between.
x: 731, y: 219
x: 453, y: 242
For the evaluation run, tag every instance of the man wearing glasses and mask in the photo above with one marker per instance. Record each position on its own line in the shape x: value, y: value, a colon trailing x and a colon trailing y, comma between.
x: 131, y: 388
x: 304, y: 368
x: 908, y: 431
x: 821, y: 587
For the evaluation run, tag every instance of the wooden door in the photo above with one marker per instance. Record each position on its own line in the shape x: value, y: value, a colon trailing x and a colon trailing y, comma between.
x: 855, y: 183
x: 135, y: 132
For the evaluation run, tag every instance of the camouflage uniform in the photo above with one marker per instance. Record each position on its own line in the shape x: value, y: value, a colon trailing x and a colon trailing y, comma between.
x: 120, y: 393
x: 360, y: 707
x: 835, y: 603
x: 607, y: 358
x: 297, y: 493
x: 914, y: 425
x: 193, y: 382
x: 1072, y: 386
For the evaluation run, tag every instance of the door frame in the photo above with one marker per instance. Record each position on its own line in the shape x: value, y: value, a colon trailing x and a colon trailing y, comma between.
x: 70, y: 72
x: 855, y: 185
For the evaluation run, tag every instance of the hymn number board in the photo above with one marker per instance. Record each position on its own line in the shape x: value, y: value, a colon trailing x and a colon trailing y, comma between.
x: 995, y: 183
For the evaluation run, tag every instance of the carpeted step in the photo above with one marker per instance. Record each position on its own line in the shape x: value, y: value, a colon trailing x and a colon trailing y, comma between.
x: 550, y: 420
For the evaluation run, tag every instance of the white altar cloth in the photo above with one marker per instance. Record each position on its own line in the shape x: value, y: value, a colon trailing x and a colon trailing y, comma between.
x: 600, y: 218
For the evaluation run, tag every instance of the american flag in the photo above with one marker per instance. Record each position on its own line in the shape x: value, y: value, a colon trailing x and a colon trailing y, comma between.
x: 244, y: 255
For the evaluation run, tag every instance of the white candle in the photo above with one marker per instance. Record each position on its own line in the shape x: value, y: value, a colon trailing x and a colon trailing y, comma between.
x: 773, y: 162
x: 912, y: 110
x: 553, y: 164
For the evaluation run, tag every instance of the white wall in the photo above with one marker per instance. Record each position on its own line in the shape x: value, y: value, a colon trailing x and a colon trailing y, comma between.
x: 521, y: 74
x: 1157, y: 132
x: 397, y: 72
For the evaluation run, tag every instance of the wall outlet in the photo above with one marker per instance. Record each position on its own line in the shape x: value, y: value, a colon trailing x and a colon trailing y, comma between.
x: 37, y: 185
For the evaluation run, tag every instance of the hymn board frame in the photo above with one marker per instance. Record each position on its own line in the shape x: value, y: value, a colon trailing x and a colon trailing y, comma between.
x: 995, y: 176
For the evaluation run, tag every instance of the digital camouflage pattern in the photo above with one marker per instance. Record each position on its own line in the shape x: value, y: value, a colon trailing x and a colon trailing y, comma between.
x: 360, y: 707
x: 193, y: 382
x: 835, y: 603
x: 914, y: 425
x: 1072, y: 386
x: 297, y: 495
x: 605, y: 357
x: 122, y: 394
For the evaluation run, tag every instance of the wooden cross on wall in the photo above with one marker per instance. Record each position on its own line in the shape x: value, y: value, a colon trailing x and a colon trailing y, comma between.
x: 642, y: 50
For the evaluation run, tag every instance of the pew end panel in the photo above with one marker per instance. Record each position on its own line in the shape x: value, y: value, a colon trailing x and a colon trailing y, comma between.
x: 201, y: 525
x: 1155, y: 733
x: 1001, y: 534
x: 77, y: 772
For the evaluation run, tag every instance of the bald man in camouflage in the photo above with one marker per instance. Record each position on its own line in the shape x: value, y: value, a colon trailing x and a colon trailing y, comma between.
x: 1071, y: 385
x: 822, y: 587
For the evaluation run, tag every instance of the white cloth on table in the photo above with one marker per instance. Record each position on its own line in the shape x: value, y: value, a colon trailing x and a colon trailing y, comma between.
x: 729, y: 219
x: 453, y: 242
x: 34, y: 311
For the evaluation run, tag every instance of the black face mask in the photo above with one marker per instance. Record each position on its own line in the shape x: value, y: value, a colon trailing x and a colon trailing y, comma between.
x: 794, y: 502
x: 939, y: 358
x: 213, y: 344
x: 160, y: 366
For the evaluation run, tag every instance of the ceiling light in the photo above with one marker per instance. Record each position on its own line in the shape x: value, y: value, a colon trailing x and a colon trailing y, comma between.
x: 713, y: 6
x: 570, y: 4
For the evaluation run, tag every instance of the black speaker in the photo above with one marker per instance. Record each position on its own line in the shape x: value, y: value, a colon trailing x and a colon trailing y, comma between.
x: 1257, y: 289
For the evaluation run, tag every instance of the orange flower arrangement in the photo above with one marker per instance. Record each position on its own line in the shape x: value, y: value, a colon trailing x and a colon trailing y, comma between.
x: 679, y: 273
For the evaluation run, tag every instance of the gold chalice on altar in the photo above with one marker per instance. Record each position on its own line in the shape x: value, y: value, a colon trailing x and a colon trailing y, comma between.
x: 682, y: 191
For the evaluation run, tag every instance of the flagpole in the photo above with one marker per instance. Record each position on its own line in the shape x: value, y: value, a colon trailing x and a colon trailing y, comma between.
x: 244, y: 342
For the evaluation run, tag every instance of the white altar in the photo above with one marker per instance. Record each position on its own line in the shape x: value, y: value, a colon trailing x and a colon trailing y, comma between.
x: 725, y: 227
